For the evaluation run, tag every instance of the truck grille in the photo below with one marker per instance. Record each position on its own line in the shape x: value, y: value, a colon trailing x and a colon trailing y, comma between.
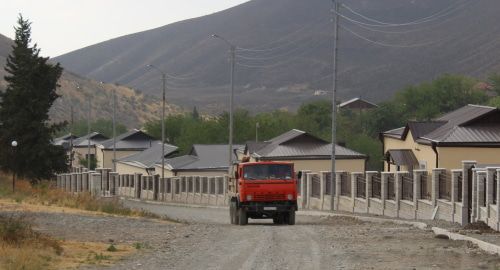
x: 270, y: 197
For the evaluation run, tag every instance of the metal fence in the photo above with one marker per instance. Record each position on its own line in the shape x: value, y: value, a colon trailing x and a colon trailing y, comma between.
x: 197, y: 184
x: 168, y: 185
x: 345, y: 185
x: 299, y: 181
x: 376, y: 186
x: 328, y: 183
x: 444, y: 180
x: 361, y: 186
x: 220, y: 181
x: 391, y: 195
x: 315, y: 186
x: 495, y: 183
x: 204, y: 185
x: 212, y: 186
x: 177, y: 187
x: 190, y: 184
x: 424, y: 190
x: 407, y: 187
x: 460, y: 180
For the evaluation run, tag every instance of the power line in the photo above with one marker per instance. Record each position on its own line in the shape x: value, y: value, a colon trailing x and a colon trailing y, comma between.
x: 398, y: 25
x: 439, y: 14
x: 293, y: 42
x: 386, y: 44
x: 293, y: 50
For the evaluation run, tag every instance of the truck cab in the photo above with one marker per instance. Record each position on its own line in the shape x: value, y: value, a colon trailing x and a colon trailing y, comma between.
x: 263, y: 190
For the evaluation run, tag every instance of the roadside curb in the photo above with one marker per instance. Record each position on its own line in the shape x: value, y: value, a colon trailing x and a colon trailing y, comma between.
x: 174, y: 204
x: 488, y: 247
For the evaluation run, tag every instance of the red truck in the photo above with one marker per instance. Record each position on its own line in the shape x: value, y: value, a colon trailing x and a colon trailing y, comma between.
x: 263, y: 190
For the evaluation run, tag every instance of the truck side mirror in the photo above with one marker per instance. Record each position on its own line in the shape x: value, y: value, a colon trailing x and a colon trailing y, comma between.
x: 299, y: 175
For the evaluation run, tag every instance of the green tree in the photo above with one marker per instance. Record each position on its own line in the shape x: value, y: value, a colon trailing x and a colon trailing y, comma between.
x: 24, y: 107
x: 495, y: 82
x: 84, y: 162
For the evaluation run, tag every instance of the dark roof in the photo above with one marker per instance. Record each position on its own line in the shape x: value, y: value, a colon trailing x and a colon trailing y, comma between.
x: 63, y: 139
x: 203, y: 157
x: 131, y: 140
x: 149, y: 157
x: 471, y: 124
x: 95, y: 138
x: 357, y: 103
x: 297, y: 144
x: 402, y: 157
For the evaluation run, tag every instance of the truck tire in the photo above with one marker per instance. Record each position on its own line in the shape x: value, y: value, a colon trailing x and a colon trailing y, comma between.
x: 291, y: 218
x: 242, y: 217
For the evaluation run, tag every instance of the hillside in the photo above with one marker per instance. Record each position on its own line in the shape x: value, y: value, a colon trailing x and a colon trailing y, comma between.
x: 133, y: 108
x: 300, y: 33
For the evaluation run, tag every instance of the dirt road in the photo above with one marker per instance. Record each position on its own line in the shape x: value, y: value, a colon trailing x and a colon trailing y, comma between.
x: 207, y: 241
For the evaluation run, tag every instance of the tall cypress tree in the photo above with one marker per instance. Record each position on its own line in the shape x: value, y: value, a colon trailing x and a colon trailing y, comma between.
x: 24, y: 111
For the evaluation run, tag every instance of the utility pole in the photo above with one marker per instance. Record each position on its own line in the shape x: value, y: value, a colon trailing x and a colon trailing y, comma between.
x: 231, y: 121
x: 231, y: 101
x: 164, y: 82
x: 88, y: 136
x: 257, y: 132
x: 114, y: 129
x: 71, y: 138
x: 334, y: 100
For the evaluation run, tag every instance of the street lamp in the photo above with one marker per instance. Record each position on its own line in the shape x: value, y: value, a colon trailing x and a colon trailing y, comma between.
x: 14, y: 145
x: 232, y: 48
x: 163, y: 79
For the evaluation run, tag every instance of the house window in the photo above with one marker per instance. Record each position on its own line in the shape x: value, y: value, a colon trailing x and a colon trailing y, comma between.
x: 422, y: 164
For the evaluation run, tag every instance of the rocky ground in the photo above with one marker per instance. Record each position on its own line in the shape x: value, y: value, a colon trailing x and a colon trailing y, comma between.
x: 207, y: 241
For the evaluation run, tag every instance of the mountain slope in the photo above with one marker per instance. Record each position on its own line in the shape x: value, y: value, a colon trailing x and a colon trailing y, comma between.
x: 133, y: 108
x: 463, y: 40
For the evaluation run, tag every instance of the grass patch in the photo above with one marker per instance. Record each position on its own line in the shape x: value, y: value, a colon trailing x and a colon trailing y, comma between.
x: 112, y: 248
x: 45, y: 194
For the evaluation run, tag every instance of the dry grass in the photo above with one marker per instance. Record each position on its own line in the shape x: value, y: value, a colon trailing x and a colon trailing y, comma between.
x: 44, y: 194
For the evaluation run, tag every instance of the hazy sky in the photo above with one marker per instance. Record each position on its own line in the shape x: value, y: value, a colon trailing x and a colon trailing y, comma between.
x: 60, y: 26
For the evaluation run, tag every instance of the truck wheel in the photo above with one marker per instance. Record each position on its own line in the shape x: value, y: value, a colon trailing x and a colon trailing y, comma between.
x: 242, y: 217
x: 291, y: 218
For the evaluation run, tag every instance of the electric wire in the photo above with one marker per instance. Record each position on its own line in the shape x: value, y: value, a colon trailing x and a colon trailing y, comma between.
x: 397, y: 25
x: 387, y: 44
x: 419, y: 21
x: 291, y: 51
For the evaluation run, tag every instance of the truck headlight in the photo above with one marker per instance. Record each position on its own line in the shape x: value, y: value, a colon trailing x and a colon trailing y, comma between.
x: 249, y: 197
x: 289, y: 197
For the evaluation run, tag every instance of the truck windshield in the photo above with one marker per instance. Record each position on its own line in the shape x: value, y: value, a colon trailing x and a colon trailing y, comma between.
x: 267, y: 171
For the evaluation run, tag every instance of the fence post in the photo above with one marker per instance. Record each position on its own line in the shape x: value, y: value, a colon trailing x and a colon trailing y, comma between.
x: 303, y: 188
x: 384, y: 176
x: 497, y: 207
x: 435, y: 185
x: 467, y: 165
x: 481, y: 186
x: 322, y: 187
x: 96, y: 184
x: 309, y: 189
x: 338, y: 184
x: 369, y: 188
x: 398, y: 189
x: 490, y: 175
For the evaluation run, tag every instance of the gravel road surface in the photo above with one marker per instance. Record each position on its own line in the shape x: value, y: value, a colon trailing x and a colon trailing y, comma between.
x: 207, y: 241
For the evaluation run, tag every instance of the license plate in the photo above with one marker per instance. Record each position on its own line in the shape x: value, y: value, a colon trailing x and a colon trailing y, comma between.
x: 270, y: 208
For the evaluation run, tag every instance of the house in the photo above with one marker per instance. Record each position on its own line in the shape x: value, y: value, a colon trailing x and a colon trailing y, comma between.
x: 202, y: 160
x: 306, y: 151
x: 81, y: 147
x: 144, y: 162
x: 357, y: 104
x: 64, y: 141
x: 128, y: 143
x: 469, y: 133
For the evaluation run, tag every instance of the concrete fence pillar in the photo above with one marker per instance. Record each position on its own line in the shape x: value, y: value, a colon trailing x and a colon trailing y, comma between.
x: 435, y: 184
x: 309, y: 189
x: 481, y: 187
x: 73, y: 182
x: 303, y: 187
x: 417, y: 185
x: 490, y: 175
x: 137, y: 185
x: 85, y: 181
x: 78, y: 182
x: 497, y: 206
x: 467, y: 166
x: 369, y: 187
x: 113, y: 183
x: 384, y: 180
x: 337, y: 182
x: 96, y: 184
